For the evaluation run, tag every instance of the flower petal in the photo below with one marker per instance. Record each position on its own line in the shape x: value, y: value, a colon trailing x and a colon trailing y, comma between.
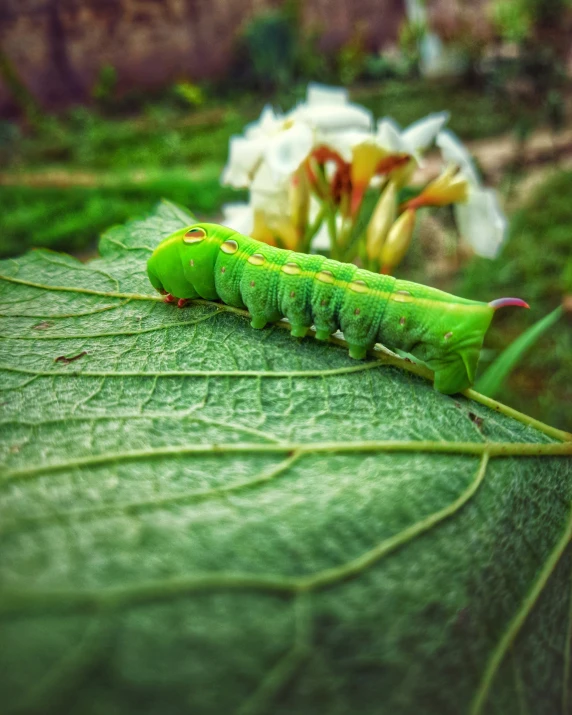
x: 482, y: 222
x: 239, y: 217
x: 269, y: 194
x: 244, y: 157
x: 268, y: 123
x: 421, y: 134
x: 288, y: 149
x: 327, y: 109
x: 389, y: 136
x: 317, y: 94
x: 457, y: 153
x: 333, y: 118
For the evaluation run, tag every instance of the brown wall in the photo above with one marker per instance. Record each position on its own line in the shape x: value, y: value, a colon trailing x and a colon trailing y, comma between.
x: 59, y: 46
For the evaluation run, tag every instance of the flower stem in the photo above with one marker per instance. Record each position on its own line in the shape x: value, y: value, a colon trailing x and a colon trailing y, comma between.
x: 312, y: 230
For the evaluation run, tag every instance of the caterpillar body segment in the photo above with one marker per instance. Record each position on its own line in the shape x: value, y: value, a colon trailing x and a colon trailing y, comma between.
x: 214, y: 262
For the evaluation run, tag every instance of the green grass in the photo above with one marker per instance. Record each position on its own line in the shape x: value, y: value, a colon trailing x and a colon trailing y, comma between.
x: 474, y: 114
x: 72, y: 218
x: 536, y: 265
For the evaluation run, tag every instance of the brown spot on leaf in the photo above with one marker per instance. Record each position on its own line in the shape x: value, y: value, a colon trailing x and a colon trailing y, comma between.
x: 478, y: 421
x: 66, y: 360
x: 44, y: 325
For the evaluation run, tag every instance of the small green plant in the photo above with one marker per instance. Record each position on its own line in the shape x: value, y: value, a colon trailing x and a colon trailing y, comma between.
x: 104, y: 89
x: 269, y: 41
x: 352, y: 57
x: 191, y: 94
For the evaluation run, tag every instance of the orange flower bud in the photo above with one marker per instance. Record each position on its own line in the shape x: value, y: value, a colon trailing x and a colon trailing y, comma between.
x: 451, y: 187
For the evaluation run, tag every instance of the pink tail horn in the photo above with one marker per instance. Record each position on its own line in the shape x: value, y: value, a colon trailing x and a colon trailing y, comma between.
x: 504, y: 302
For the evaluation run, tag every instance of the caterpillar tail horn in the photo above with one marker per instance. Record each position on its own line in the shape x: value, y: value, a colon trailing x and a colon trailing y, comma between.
x: 504, y: 302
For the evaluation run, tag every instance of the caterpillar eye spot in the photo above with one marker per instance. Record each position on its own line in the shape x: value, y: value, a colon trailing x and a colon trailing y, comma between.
x: 229, y: 246
x: 357, y: 311
x: 257, y: 259
x: 192, y: 263
x: 291, y: 269
x: 194, y: 235
x: 448, y: 335
x: 292, y: 294
x: 252, y: 284
x: 323, y: 302
x: 358, y: 286
x: 223, y: 269
x: 325, y: 276
x: 402, y: 321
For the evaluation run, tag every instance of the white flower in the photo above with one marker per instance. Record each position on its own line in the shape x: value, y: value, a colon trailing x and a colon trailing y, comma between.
x: 268, y: 197
x: 328, y: 109
x: 273, y: 138
x: 284, y: 141
x: 480, y: 220
x: 454, y: 152
x: 385, y: 150
x: 239, y: 217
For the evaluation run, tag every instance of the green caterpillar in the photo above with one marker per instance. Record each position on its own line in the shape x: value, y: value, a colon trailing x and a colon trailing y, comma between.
x: 213, y: 262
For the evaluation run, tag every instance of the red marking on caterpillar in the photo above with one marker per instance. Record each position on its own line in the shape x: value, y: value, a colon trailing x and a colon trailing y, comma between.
x: 504, y: 302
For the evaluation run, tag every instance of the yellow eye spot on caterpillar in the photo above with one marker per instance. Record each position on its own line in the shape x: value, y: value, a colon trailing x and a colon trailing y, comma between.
x: 229, y: 246
x: 194, y: 235
x: 402, y: 321
x: 401, y: 296
x: 257, y: 259
x: 448, y: 335
x: 358, y: 286
x: 357, y: 311
x: 292, y: 294
x: 292, y: 269
x: 325, y: 276
x: 223, y: 270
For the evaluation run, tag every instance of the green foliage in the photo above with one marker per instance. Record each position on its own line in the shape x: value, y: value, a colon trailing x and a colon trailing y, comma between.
x: 516, y: 20
x: 270, y: 45
x: 72, y: 218
x: 87, y: 140
x: 410, y: 36
x: 170, y: 521
x: 190, y: 93
x: 352, y: 56
x: 512, y: 20
x: 474, y: 115
x: 104, y: 89
x: 535, y: 265
x: 19, y: 92
x: 493, y: 379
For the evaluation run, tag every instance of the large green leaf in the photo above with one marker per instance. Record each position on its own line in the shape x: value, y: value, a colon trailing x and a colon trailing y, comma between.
x: 199, y: 517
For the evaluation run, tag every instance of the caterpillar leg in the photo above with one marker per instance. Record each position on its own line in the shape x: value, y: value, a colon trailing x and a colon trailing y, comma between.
x: 169, y: 298
x: 258, y: 321
x: 358, y: 352
x: 299, y: 331
x: 182, y: 302
x: 322, y: 334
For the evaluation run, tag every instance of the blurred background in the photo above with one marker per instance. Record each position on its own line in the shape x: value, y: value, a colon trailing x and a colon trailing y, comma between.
x: 107, y: 106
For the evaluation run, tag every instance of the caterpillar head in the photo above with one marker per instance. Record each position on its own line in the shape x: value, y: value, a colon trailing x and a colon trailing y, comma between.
x: 183, y: 263
x: 455, y: 360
